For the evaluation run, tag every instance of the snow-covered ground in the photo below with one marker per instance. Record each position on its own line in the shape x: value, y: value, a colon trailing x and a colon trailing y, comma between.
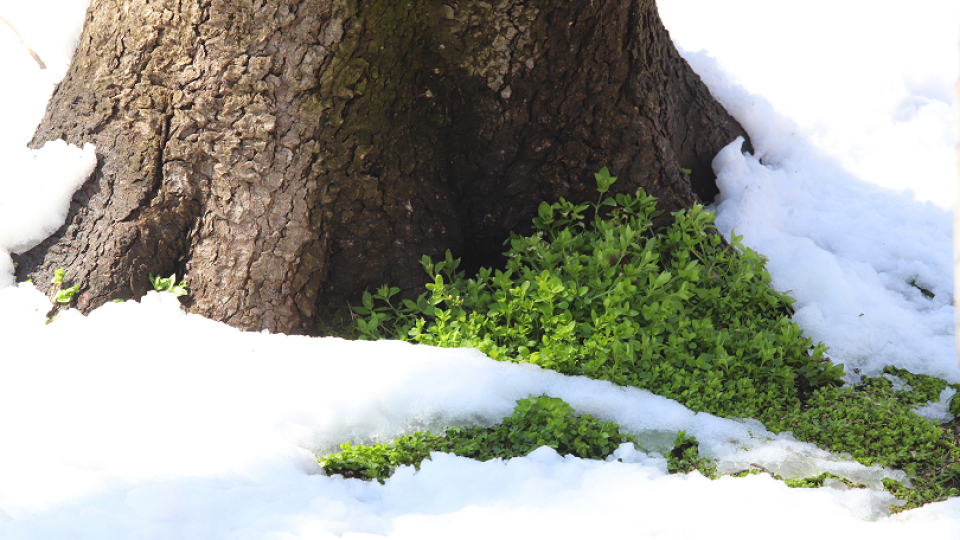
x: 140, y: 421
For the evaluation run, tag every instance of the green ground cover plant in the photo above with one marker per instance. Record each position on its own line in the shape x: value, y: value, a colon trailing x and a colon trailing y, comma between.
x: 169, y: 284
x: 535, y: 422
x: 61, y: 293
x: 685, y: 457
x: 874, y: 422
x: 596, y: 290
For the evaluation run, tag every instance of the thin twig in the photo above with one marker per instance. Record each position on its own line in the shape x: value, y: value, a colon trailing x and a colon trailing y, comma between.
x: 24, y: 43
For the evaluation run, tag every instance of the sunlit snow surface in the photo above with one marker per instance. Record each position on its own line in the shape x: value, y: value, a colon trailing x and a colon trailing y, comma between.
x: 847, y: 250
x: 140, y: 421
x: 35, y: 186
x: 176, y: 426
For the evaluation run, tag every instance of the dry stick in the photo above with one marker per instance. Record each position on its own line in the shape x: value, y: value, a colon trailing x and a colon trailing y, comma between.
x: 24, y: 43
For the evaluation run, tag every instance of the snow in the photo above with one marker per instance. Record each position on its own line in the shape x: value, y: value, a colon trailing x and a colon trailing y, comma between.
x: 36, y: 185
x: 873, y: 88
x: 142, y: 421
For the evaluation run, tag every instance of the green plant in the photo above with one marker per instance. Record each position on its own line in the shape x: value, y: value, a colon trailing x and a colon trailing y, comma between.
x: 918, y: 389
x: 685, y: 457
x: 955, y: 402
x: 535, y: 422
x: 161, y: 284
x: 379, y: 461
x: 675, y: 311
x: 597, y: 291
x: 874, y: 423
x: 61, y: 294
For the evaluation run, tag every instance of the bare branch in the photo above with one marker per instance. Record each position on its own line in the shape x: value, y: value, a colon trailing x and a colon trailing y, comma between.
x: 24, y: 43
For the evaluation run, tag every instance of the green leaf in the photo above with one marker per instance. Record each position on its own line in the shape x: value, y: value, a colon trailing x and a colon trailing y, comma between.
x: 169, y: 284
x: 65, y: 296
x: 546, y: 213
x: 604, y: 180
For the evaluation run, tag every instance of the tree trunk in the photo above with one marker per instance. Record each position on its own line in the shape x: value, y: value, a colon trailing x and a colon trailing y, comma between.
x: 286, y: 155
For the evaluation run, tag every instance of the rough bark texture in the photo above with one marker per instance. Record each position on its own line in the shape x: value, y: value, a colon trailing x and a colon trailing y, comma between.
x: 288, y: 154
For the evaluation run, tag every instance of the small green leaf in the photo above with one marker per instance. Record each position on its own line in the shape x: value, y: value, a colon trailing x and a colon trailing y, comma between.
x: 546, y: 213
x: 168, y: 284
x: 65, y: 296
x: 604, y: 180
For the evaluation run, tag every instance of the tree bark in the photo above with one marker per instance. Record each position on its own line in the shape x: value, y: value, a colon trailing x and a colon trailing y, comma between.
x: 286, y: 155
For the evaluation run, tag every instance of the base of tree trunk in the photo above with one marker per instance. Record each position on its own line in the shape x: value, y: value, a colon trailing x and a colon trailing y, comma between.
x: 286, y: 155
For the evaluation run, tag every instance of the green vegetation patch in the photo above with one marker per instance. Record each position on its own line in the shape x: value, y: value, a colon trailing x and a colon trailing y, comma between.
x: 875, y: 424
x: 535, y: 422
x: 61, y: 293
x: 685, y: 457
x: 597, y: 291
x: 169, y: 284
x: 675, y: 311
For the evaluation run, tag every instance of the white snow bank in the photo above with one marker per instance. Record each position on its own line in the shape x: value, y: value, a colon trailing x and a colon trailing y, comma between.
x: 141, y: 417
x: 35, y: 185
x: 35, y: 192
x: 848, y: 251
x: 873, y: 88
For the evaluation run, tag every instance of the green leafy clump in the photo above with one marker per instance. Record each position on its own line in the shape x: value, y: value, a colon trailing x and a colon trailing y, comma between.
x: 379, y: 461
x: 597, y: 291
x: 938, y: 483
x: 818, y: 481
x: 874, y: 423
x: 809, y: 482
x: 873, y: 427
x: 918, y: 389
x: 61, y: 293
x: 745, y: 473
x: 535, y: 422
x: 685, y: 457
x: 169, y: 284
